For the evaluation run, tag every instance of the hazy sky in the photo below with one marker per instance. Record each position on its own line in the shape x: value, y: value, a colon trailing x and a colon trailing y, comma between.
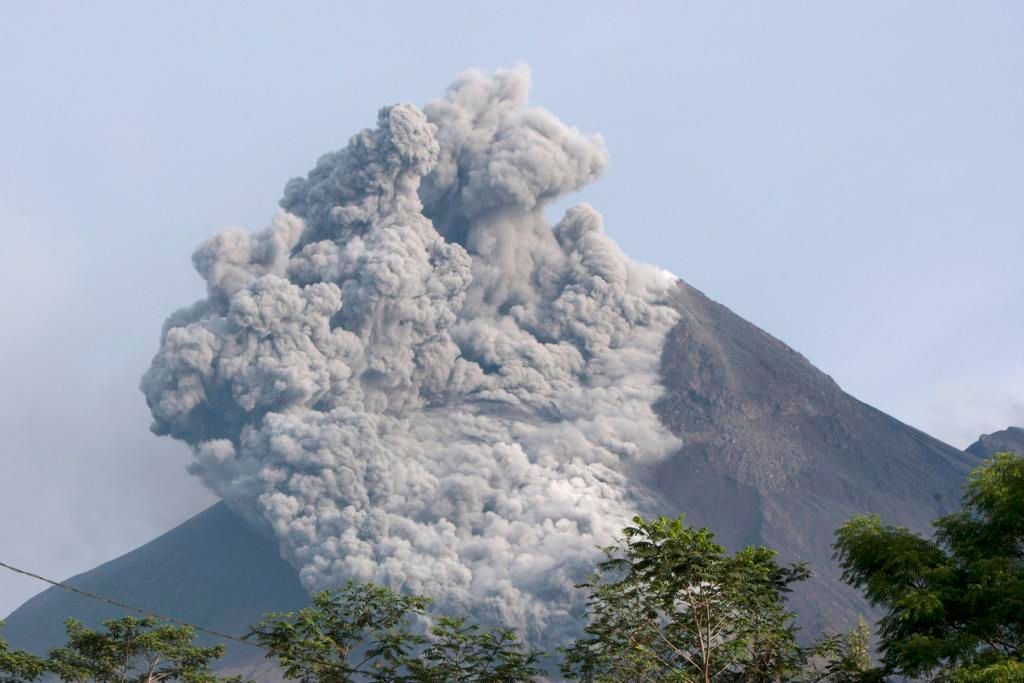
x: 847, y: 175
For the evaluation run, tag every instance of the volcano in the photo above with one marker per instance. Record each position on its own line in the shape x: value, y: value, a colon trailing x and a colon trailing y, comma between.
x: 776, y: 454
x: 412, y: 377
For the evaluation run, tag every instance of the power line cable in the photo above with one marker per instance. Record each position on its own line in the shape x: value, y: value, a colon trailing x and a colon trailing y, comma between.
x: 132, y: 608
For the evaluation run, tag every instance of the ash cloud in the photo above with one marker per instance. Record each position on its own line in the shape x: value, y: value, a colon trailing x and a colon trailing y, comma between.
x: 411, y: 377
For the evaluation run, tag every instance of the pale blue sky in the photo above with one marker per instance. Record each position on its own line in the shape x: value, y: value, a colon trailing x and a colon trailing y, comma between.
x: 847, y: 175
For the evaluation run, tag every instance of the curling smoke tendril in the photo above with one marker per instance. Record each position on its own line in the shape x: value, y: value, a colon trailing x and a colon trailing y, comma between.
x: 411, y: 377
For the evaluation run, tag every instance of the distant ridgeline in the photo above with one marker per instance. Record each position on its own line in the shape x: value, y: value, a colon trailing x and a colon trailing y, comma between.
x: 1009, y: 440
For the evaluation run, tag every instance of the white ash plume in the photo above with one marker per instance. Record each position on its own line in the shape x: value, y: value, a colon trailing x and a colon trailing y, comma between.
x: 411, y: 377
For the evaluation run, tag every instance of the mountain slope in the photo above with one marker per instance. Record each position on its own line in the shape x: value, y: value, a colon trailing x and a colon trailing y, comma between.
x: 213, y: 570
x: 774, y: 452
x: 1009, y: 440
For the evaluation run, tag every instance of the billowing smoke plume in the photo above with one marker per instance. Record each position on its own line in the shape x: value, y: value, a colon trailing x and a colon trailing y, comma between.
x: 411, y: 377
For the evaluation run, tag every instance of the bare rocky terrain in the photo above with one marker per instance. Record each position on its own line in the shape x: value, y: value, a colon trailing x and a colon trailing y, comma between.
x: 1009, y: 440
x: 776, y: 453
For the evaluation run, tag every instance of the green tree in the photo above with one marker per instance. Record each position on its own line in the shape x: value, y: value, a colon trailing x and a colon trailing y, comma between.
x: 358, y: 632
x: 458, y: 652
x: 363, y: 632
x: 131, y: 649
x: 843, y: 658
x: 858, y: 646
x: 954, y: 604
x: 17, y: 666
x: 669, y: 604
x: 1006, y: 671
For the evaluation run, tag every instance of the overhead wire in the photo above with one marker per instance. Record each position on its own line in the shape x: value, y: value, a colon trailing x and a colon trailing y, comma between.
x: 132, y: 608
x: 162, y: 617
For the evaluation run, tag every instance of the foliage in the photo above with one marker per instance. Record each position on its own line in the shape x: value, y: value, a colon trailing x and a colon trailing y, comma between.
x: 843, y: 659
x: 954, y: 603
x: 668, y: 604
x: 1006, y: 671
x: 17, y: 666
x: 457, y: 652
x: 133, y: 649
x: 358, y: 632
x: 363, y: 632
x: 858, y: 646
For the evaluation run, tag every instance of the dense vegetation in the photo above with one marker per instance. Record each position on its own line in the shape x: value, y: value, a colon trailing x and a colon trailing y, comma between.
x: 954, y: 603
x: 667, y: 603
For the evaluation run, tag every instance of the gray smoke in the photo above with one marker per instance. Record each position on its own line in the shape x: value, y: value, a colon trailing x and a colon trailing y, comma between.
x: 411, y: 377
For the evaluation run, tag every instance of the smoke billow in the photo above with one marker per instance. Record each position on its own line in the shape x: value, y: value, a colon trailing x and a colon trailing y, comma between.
x: 411, y: 377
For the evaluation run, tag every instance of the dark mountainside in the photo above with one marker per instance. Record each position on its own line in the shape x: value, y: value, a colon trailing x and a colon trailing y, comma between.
x: 774, y: 453
x: 214, y: 570
x: 1009, y: 440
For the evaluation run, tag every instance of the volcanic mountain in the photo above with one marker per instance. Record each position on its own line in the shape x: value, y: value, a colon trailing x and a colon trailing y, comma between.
x: 411, y: 376
x: 775, y: 453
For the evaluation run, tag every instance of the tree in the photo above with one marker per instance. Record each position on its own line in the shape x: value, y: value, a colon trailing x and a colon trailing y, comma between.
x: 1006, y: 671
x: 843, y: 659
x: 363, y: 632
x: 954, y: 603
x: 133, y: 649
x: 457, y: 652
x: 668, y: 604
x: 358, y: 632
x: 858, y: 646
x: 18, y: 666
